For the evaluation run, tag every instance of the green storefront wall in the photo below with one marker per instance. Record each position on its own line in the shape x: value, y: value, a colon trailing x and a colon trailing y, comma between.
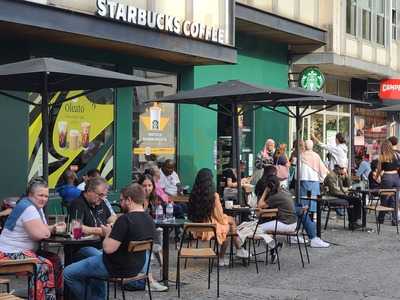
x: 258, y: 62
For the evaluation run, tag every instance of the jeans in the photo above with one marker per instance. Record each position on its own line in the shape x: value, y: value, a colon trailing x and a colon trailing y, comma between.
x: 389, y: 181
x: 308, y: 225
x: 76, y: 278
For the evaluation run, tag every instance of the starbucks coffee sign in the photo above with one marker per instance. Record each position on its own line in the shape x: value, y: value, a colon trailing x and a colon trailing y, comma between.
x: 312, y: 79
x: 158, y: 21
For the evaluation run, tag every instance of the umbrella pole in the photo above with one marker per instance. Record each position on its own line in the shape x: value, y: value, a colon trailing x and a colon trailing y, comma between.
x: 45, y: 128
x: 236, y: 148
x: 298, y: 137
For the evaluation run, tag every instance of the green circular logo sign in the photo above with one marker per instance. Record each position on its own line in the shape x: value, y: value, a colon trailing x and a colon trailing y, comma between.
x: 312, y: 79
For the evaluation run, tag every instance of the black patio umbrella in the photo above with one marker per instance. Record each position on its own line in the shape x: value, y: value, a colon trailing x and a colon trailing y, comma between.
x: 390, y: 108
x: 297, y: 108
x: 228, y: 95
x: 46, y: 75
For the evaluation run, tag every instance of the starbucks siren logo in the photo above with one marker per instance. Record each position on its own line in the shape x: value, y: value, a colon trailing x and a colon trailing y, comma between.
x: 312, y: 79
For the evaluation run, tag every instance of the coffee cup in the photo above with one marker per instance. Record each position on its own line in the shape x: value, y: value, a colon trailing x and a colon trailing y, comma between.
x: 62, y: 134
x: 85, y: 126
x: 228, y: 204
x: 74, y: 139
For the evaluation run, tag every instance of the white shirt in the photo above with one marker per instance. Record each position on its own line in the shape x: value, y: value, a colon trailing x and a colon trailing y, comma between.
x: 339, y: 155
x: 308, y: 173
x: 81, y: 186
x: 19, y: 240
x: 168, y: 183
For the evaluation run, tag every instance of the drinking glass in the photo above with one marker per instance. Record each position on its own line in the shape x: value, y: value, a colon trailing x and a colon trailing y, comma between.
x: 77, y: 229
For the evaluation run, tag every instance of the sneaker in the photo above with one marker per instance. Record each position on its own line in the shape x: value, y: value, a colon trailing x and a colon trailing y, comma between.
x: 242, y: 253
x: 318, y: 243
x: 293, y: 240
x: 223, y: 262
x: 155, y: 286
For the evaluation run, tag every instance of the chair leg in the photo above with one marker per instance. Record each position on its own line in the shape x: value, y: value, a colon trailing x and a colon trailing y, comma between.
x: 209, y: 272
x: 327, y: 218
x: 277, y: 257
x: 123, y: 290
x: 300, y: 252
x: 255, y: 255
x: 344, y: 219
x: 178, y: 278
x: 148, y: 286
x: 108, y: 290
x: 115, y: 289
x: 266, y: 254
x: 305, y: 246
x: 231, y: 252
x: 217, y: 276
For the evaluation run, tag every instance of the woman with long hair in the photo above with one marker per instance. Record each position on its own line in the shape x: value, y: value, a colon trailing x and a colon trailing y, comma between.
x: 281, y: 162
x: 205, y: 207
x: 388, y: 166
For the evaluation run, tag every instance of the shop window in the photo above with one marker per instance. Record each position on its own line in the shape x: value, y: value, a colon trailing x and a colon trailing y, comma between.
x: 154, y: 137
x: 80, y: 135
x: 380, y: 22
x: 351, y: 13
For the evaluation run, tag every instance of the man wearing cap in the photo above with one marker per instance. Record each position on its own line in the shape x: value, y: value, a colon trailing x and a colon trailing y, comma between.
x: 338, y: 182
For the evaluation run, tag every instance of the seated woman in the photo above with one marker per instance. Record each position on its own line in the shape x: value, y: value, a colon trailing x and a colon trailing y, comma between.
x: 24, y: 228
x: 68, y: 191
x: 205, y: 207
x: 150, y: 203
x: 275, y: 197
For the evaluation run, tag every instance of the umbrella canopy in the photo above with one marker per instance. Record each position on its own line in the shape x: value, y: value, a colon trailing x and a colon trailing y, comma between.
x: 46, y: 75
x: 229, y: 92
x: 63, y: 75
x: 391, y: 108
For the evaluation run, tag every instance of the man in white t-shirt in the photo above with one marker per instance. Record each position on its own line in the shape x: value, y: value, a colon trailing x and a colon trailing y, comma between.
x: 169, y: 180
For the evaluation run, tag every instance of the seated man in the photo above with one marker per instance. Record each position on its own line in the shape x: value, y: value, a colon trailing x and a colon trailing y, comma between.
x: 169, y: 179
x: 116, y: 260
x: 68, y: 191
x: 92, y: 211
x: 93, y: 173
x: 338, y: 182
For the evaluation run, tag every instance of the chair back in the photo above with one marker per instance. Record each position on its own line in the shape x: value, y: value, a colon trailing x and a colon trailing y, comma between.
x: 140, y: 246
x: 197, y: 228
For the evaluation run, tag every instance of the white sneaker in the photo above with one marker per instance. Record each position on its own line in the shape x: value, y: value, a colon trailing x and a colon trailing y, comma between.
x: 242, y: 253
x: 293, y: 240
x: 155, y: 286
x: 318, y: 243
x: 223, y: 262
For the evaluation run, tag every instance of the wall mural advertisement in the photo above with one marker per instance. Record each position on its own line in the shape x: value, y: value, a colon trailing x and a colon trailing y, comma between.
x: 80, y: 135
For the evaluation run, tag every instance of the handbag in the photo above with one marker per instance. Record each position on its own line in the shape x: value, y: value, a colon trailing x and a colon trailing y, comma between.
x: 282, y: 172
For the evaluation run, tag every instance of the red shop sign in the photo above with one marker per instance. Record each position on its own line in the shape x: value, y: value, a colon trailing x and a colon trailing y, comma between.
x: 389, y: 89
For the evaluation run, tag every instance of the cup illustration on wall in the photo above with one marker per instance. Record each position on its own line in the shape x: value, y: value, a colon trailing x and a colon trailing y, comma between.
x: 155, y: 117
x: 73, y: 139
x: 62, y: 134
x: 85, y: 126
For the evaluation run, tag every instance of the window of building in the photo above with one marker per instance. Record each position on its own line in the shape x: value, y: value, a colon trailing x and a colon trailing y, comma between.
x: 395, y: 19
x: 380, y: 22
x: 351, y: 16
x: 154, y: 137
x: 365, y: 6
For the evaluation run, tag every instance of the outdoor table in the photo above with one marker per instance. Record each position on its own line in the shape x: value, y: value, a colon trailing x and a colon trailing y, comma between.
x: 167, y: 226
x: 180, y: 199
x: 242, y: 212
x: 70, y: 246
x: 320, y: 201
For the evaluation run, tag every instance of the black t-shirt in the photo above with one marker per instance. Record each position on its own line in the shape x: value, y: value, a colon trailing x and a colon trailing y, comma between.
x: 133, y: 226
x: 90, y: 216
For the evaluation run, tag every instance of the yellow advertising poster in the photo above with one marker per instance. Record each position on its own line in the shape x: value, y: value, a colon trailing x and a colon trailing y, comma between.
x: 79, y: 129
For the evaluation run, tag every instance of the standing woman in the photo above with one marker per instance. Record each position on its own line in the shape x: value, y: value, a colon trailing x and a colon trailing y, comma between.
x: 388, y: 166
x: 312, y: 172
x: 282, y: 165
x: 205, y: 207
x: 23, y: 230
x: 266, y: 155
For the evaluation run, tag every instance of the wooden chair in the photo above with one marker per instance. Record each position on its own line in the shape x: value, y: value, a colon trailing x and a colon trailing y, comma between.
x: 198, y: 253
x: 133, y: 247
x: 377, y: 207
x: 263, y: 215
x: 19, y: 266
x: 8, y: 296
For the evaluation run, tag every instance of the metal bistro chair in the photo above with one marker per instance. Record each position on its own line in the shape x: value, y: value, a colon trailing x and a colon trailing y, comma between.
x: 299, y: 231
x: 133, y: 247
x: 18, y: 266
x: 198, y: 253
x: 264, y: 215
x: 376, y: 206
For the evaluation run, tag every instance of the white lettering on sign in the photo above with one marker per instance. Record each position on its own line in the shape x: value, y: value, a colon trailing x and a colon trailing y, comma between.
x: 154, y: 20
x: 390, y: 87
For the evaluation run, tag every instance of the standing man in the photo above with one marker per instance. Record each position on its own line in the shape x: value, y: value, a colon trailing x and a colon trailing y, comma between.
x: 116, y: 260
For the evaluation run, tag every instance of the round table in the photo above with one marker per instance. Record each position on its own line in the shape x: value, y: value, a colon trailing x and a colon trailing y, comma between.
x: 167, y: 227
